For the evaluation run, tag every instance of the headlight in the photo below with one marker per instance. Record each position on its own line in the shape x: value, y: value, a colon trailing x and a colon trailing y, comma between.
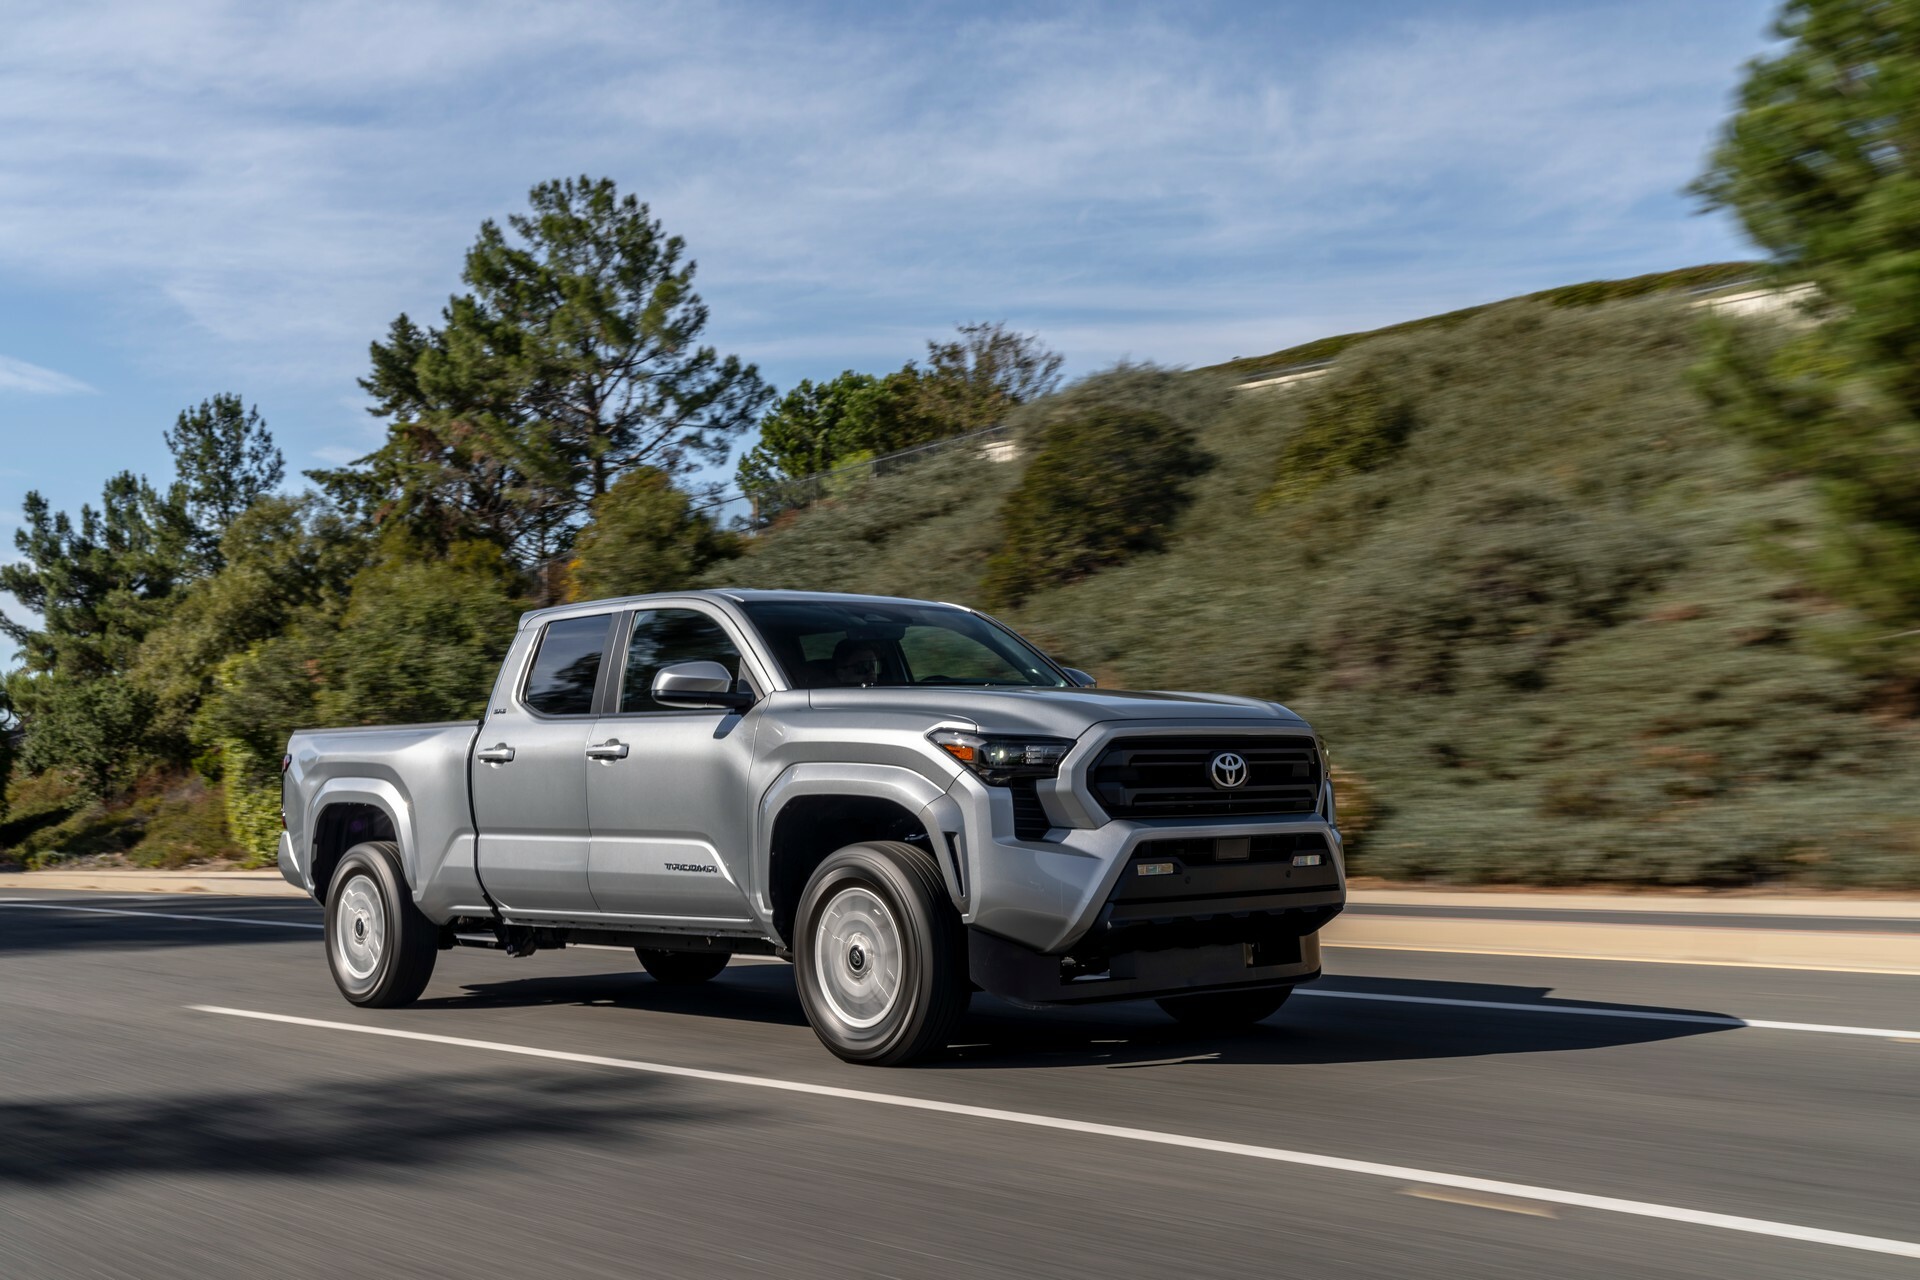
x: 999, y: 761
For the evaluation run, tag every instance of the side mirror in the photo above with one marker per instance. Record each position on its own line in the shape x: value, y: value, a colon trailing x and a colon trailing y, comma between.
x: 1080, y: 678
x: 698, y: 686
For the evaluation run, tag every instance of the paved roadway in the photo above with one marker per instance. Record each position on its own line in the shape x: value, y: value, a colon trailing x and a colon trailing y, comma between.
x: 143, y: 1137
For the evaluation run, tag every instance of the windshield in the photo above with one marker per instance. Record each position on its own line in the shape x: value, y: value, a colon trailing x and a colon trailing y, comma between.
x: 830, y: 645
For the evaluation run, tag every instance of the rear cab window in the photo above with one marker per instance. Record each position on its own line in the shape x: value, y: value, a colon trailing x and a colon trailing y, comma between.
x: 566, y: 667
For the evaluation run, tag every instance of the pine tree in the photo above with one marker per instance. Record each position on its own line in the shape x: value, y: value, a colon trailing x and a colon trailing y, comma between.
x: 225, y: 459
x: 573, y: 358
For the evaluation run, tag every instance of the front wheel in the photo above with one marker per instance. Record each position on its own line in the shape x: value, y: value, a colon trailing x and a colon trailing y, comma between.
x: 881, y: 954
x: 379, y: 946
x: 1225, y: 1010
x: 682, y: 968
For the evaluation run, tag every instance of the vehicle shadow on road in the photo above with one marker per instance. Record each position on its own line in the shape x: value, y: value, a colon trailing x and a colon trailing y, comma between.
x: 325, y: 1130
x: 1315, y: 1027
x: 746, y: 993
x: 1310, y: 1029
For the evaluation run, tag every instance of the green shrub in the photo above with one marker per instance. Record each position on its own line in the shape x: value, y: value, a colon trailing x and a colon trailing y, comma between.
x: 925, y: 529
x: 1356, y: 420
x: 251, y: 807
x: 185, y: 824
x: 1105, y: 484
x: 93, y: 729
x: 421, y: 639
x: 644, y: 536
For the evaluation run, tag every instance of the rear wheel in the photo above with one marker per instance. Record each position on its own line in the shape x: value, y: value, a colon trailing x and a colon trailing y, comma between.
x: 881, y: 954
x: 1225, y: 1010
x: 379, y: 946
x: 682, y: 968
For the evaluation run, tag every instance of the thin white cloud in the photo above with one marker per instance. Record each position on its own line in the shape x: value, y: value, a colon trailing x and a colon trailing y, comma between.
x: 284, y: 180
x: 34, y: 380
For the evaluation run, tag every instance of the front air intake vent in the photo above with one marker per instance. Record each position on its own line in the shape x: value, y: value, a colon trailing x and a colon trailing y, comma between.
x: 1030, y: 820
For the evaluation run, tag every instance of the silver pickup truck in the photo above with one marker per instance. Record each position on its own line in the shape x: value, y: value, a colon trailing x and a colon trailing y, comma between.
x: 905, y: 799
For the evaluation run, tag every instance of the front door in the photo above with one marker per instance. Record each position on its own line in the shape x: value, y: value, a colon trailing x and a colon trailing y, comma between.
x: 530, y: 774
x: 671, y: 817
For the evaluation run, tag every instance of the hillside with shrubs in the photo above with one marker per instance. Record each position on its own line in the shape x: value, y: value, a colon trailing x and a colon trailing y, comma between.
x: 1536, y: 598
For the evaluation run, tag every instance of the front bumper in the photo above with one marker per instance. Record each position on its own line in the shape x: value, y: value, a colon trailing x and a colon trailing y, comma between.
x: 1012, y: 972
x: 1091, y: 913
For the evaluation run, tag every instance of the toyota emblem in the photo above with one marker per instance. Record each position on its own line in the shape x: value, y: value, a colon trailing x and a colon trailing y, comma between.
x: 1229, y: 770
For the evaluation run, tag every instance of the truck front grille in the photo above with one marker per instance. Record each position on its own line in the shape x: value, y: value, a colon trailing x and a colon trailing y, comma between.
x: 1173, y: 777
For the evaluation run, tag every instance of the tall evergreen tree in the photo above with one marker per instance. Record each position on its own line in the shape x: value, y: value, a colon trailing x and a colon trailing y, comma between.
x: 225, y: 459
x: 572, y: 358
x: 98, y: 587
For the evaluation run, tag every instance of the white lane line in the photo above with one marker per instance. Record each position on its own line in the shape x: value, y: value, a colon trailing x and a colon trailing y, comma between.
x: 160, y: 915
x: 1643, y: 1015
x: 1340, y: 1164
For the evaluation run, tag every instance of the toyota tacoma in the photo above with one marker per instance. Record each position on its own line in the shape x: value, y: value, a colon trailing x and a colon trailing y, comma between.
x: 905, y: 799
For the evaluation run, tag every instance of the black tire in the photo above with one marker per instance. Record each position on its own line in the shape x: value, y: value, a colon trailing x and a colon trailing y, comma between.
x: 682, y: 968
x: 871, y: 911
x: 1225, y: 1010
x: 379, y: 946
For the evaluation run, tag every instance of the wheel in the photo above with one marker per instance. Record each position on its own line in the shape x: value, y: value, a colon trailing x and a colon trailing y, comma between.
x: 881, y: 954
x: 379, y: 946
x: 682, y: 968
x: 1225, y: 1010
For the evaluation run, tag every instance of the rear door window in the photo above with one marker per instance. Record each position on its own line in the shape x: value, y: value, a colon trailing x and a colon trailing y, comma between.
x: 567, y: 666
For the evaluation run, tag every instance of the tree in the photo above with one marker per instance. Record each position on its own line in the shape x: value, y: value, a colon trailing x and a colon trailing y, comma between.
x: 968, y: 384
x: 225, y: 460
x: 100, y: 587
x: 1104, y: 485
x: 421, y: 638
x: 572, y: 359
x: 91, y: 729
x: 8, y: 726
x: 1822, y: 165
x: 819, y: 426
x: 644, y: 536
x: 971, y: 381
x: 285, y: 560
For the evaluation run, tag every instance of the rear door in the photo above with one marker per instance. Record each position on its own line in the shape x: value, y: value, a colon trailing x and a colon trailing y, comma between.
x: 530, y: 772
x: 667, y: 789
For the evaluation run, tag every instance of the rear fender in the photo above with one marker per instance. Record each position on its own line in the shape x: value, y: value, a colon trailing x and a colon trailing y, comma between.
x: 381, y: 795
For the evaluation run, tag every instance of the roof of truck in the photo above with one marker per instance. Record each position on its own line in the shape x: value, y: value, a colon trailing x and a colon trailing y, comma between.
x: 739, y: 595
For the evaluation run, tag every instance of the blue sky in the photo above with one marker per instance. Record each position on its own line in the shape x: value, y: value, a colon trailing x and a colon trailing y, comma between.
x: 203, y: 197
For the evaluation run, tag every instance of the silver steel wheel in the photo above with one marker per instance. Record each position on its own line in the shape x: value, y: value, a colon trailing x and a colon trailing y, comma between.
x: 359, y: 928
x: 858, y: 957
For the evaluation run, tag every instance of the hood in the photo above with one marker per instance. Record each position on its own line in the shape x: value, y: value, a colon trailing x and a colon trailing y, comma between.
x: 1062, y: 713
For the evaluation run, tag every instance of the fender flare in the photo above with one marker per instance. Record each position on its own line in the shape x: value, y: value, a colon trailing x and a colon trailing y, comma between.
x: 376, y: 793
x: 910, y: 789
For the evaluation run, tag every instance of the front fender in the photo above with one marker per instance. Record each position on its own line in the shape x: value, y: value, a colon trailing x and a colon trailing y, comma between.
x: 908, y: 788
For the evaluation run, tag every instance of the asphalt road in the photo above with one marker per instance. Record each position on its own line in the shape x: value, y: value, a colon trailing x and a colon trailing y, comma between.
x: 563, y: 1116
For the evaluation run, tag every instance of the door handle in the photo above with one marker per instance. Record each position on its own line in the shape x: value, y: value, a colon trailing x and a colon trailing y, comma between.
x: 494, y: 755
x: 611, y: 749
